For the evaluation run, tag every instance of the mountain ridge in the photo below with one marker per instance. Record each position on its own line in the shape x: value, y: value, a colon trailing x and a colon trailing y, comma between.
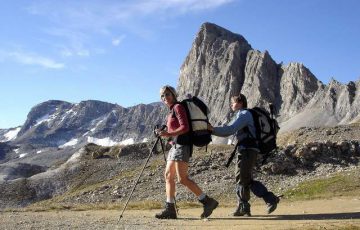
x: 219, y: 64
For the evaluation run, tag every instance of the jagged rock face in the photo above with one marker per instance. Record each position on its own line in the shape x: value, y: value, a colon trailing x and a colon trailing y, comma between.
x: 261, y: 85
x: 135, y: 122
x: 222, y: 64
x: 331, y: 105
x: 356, y: 102
x: 214, y: 68
x: 345, y: 104
x: 2, y: 133
x: 297, y: 87
x: 4, y: 148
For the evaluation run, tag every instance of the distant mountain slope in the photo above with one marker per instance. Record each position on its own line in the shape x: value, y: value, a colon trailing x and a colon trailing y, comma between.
x: 59, y: 123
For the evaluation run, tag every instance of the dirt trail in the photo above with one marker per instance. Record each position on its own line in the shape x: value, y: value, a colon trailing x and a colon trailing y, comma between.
x: 320, y: 214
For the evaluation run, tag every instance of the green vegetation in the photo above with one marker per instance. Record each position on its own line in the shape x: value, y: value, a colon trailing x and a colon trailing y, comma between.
x: 134, y: 205
x: 341, y: 184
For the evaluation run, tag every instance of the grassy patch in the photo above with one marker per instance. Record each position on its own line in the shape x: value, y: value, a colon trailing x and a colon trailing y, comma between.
x: 344, y: 184
x: 48, y: 206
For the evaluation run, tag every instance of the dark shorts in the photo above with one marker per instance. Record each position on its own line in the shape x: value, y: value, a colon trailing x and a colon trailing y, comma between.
x: 179, y: 153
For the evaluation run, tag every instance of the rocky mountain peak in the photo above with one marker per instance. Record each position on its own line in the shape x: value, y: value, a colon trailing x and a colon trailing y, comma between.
x: 42, y: 112
x: 297, y: 87
x: 214, y: 68
x: 209, y: 32
x: 221, y: 64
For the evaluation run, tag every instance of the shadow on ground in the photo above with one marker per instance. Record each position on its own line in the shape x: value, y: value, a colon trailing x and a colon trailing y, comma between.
x: 320, y: 216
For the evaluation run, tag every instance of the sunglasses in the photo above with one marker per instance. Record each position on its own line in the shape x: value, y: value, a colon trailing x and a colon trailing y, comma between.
x: 165, y: 95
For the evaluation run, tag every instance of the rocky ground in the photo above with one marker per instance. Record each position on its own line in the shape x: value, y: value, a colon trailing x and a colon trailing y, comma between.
x: 105, y: 182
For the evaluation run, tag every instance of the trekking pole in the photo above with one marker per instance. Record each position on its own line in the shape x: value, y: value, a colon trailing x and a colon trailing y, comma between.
x: 137, y: 181
x: 163, y: 149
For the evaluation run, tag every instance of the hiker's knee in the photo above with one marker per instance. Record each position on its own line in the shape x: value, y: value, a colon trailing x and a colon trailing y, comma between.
x: 168, y: 176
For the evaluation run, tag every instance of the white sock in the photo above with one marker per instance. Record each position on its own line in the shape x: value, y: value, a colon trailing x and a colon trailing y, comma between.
x: 202, y: 196
x: 170, y: 200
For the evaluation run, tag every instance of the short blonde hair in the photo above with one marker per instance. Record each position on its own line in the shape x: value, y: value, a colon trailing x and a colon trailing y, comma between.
x: 170, y: 89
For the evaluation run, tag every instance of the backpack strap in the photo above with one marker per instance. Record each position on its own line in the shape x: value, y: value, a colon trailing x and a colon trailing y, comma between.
x: 246, y: 129
x: 232, y: 155
x: 173, y: 110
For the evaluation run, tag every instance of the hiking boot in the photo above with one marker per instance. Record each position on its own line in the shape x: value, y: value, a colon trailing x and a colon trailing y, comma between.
x: 273, y: 205
x: 168, y: 213
x: 243, y: 209
x: 209, y: 205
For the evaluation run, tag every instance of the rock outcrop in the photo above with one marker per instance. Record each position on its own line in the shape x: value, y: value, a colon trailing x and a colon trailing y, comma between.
x: 214, y: 68
x: 262, y: 79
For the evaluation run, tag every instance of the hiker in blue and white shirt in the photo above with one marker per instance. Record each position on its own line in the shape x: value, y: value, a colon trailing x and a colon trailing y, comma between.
x: 246, y: 156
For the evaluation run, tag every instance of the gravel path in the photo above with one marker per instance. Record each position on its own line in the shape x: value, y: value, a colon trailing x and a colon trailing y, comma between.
x: 319, y: 214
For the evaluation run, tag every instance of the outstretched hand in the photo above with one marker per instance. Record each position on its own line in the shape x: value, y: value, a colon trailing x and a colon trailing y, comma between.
x: 210, y: 127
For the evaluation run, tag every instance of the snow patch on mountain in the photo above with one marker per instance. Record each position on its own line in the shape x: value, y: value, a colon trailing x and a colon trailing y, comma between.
x: 103, y: 142
x: 42, y: 119
x: 129, y: 141
x: 97, y: 124
x: 70, y: 112
x: 12, y: 134
x: 23, y: 155
x: 72, y: 142
x: 75, y: 156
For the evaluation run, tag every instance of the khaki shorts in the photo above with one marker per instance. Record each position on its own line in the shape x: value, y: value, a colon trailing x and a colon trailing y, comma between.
x: 179, y: 153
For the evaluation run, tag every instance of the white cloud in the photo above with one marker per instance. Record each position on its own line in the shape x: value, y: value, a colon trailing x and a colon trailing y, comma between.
x: 78, y: 21
x: 118, y: 40
x: 180, y: 6
x: 74, y: 42
x: 75, y: 28
x: 83, y: 53
x: 32, y: 59
x: 66, y: 52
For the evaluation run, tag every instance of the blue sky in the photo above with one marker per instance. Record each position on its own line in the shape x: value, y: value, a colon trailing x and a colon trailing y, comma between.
x: 123, y: 51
